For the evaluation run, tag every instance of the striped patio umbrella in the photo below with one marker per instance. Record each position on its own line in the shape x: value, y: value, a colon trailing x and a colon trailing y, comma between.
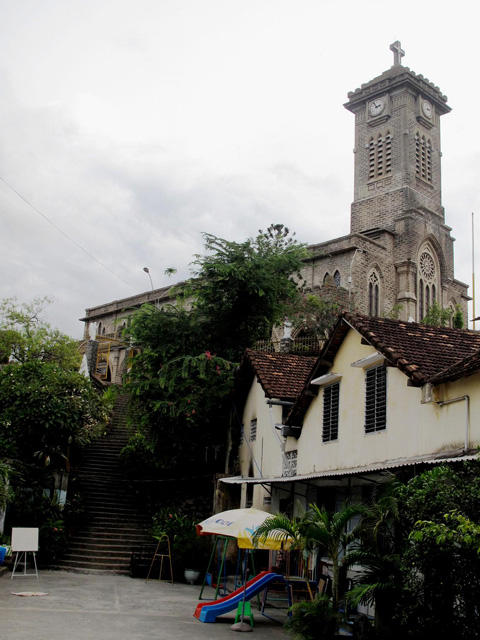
x: 240, y: 524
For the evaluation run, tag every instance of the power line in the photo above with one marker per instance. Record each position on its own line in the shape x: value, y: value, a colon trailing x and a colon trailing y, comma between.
x: 67, y: 236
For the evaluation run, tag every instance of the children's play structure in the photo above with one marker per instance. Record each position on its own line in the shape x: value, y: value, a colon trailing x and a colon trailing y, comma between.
x: 208, y: 611
x: 239, y: 525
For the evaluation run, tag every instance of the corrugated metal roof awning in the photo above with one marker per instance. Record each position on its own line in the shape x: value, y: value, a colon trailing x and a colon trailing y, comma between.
x: 373, y: 468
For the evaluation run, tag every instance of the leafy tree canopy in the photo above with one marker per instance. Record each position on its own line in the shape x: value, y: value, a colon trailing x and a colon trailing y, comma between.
x: 46, y: 407
x: 45, y: 410
x: 183, y: 376
x: 440, y: 564
x: 25, y: 336
x: 241, y: 290
x: 316, y: 313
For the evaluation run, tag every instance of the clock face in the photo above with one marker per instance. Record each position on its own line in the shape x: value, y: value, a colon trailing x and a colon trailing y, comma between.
x: 377, y: 106
x: 427, y: 108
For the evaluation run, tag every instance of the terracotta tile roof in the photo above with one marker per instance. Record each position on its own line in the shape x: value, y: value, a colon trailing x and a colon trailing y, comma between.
x: 282, y: 375
x: 419, y: 351
x: 424, y: 354
x: 466, y: 367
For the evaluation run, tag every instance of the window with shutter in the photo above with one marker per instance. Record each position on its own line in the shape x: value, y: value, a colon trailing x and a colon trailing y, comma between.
x: 375, y: 399
x: 331, y: 398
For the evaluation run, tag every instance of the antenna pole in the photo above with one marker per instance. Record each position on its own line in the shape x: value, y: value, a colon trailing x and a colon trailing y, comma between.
x: 473, y: 268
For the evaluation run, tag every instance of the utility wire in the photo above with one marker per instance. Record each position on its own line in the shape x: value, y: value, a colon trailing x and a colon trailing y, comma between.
x: 67, y: 236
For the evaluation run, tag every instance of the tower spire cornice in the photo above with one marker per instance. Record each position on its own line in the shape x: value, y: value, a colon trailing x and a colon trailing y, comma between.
x: 393, y: 79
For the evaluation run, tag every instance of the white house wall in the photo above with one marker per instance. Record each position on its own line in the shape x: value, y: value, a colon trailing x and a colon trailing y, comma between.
x: 263, y: 455
x: 413, y: 429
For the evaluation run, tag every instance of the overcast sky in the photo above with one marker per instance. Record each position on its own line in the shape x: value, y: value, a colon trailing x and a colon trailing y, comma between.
x: 134, y: 126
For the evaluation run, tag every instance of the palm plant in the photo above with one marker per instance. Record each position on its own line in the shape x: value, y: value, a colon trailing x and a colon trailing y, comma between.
x: 292, y: 533
x: 328, y: 531
x: 377, y: 555
x: 315, y: 529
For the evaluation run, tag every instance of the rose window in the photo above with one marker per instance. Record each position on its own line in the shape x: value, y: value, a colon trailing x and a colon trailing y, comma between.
x: 427, y: 266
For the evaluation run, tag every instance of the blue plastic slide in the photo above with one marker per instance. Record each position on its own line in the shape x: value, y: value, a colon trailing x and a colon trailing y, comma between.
x: 209, y: 611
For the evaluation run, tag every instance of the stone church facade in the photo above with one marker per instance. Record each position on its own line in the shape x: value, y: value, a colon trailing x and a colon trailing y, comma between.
x: 399, y: 252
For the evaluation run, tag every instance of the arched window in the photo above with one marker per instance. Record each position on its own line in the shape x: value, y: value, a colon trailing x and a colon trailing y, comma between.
x: 373, y: 294
x: 336, y: 278
x: 428, y: 280
x: 420, y: 300
x: 326, y: 278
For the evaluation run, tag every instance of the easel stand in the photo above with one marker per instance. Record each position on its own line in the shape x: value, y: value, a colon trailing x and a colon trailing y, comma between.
x: 164, y: 553
x: 18, y: 561
x: 24, y: 540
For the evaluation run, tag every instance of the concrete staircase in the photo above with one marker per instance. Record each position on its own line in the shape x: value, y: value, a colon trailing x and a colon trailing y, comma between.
x: 113, y: 524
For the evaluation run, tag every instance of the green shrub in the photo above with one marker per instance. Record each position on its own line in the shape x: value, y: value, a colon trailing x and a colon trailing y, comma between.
x: 312, y: 619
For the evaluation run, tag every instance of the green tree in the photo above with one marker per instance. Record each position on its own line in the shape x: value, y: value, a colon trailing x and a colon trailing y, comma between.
x: 25, y: 336
x: 316, y: 313
x: 45, y: 411
x: 242, y: 290
x: 377, y: 552
x: 182, y: 378
x: 438, y: 317
x: 294, y: 535
x: 317, y: 529
x: 440, y: 564
x: 329, y: 531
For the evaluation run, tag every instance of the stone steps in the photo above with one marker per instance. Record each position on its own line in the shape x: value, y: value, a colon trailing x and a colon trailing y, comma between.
x: 113, y: 524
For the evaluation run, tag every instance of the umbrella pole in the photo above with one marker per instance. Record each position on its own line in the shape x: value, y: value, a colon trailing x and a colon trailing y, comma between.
x: 242, y: 625
x: 239, y: 565
x: 254, y: 571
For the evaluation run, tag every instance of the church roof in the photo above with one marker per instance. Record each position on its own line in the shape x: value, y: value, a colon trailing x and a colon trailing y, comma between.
x: 281, y: 375
x: 424, y: 354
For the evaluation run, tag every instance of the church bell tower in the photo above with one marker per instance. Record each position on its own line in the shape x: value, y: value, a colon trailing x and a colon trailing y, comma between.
x: 397, y: 146
x: 397, y: 191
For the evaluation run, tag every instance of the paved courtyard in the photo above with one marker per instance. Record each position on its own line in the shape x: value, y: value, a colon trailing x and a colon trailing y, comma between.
x: 106, y: 607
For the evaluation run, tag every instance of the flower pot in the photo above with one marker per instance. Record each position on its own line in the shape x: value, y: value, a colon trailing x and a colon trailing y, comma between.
x: 191, y: 575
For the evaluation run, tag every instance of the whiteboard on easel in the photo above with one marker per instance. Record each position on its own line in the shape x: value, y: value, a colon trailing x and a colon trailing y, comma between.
x: 24, y: 539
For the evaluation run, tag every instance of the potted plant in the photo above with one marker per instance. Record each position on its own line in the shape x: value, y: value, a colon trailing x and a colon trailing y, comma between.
x: 190, y: 552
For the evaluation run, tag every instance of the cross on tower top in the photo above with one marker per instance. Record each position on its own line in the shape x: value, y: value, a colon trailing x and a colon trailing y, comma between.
x: 398, y: 52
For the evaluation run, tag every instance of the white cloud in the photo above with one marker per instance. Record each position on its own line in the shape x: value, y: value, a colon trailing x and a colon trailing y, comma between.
x: 135, y: 126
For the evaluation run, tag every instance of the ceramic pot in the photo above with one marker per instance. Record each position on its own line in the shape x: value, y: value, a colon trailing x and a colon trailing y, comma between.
x: 191, y: 575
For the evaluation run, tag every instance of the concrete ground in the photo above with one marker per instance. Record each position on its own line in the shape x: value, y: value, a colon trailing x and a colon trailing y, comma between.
x: 108, y: 607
